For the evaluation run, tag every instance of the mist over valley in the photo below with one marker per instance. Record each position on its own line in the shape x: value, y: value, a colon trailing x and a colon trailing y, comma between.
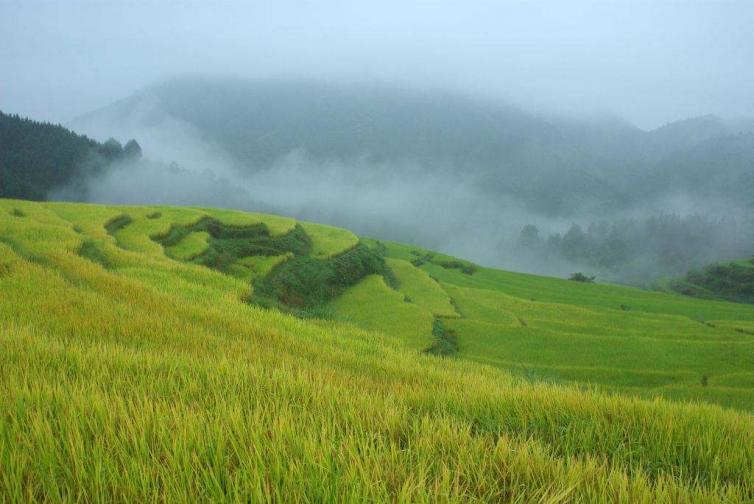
x: 442, y: 170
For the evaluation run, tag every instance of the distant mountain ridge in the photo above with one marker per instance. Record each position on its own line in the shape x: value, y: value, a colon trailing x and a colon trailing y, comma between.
x: 555, y: 166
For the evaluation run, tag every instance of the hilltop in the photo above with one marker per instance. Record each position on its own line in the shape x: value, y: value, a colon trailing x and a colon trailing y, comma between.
x: 165, y: 353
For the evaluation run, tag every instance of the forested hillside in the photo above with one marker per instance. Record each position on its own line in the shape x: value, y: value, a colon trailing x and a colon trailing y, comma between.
x: 36, y: 157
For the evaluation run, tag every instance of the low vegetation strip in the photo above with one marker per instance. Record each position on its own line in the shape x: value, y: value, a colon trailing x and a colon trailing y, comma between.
x: 446, y: 341
x: 91, y: 250
x: 116, y: 224
x: 226, y: 244
x: 145, y: 223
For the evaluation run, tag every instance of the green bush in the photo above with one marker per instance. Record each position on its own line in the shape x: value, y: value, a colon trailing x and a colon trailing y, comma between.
x: 304, y: 282
x: 580, y: 277
x: 446, y: 341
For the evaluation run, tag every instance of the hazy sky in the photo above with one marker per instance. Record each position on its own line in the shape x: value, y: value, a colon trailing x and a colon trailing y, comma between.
x: 648, y: 61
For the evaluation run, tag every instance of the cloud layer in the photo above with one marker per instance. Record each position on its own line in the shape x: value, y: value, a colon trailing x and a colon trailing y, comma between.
x: 648, y: 61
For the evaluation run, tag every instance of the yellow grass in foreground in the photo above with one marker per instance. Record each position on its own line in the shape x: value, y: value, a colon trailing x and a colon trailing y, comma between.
x: 151, y: 380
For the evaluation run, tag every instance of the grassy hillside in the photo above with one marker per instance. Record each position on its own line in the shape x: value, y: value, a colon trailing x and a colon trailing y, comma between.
x: 135, y: 370
x: 615, y: 337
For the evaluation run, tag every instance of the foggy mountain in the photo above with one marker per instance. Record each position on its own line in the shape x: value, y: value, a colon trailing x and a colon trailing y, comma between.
x: 554, y: 166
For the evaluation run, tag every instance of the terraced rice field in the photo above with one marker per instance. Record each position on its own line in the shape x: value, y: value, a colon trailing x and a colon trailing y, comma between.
x: 617, y: 338
x: 133, y: 371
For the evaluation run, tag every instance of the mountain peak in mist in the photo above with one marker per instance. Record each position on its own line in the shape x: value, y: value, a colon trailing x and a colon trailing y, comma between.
x: 257, y: 121
x: 552, y: 166
x: 688, y: 132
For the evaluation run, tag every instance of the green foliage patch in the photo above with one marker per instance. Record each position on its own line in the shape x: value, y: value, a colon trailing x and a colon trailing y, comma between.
x: 229, y: 243
x: 446, y: 340
x: 304, y: 274
x: 732, y: 281
x: 580, y: 277
x: 305, y: 282
x: 118, y: 223
x: 430, y: 257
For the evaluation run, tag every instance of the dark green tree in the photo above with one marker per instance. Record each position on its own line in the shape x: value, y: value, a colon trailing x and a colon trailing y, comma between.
x: 575, y: 245
x: 529, y: 238
x: 132, y: 149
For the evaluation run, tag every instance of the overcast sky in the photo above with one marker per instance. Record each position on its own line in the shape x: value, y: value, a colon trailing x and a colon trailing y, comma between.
x: 647, y: 61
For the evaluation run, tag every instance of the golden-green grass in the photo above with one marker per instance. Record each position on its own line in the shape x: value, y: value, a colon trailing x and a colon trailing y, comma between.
x: 151, y: 379
x: 192, y: 245
x: 329, y: 241
x: 374, y: 306
x: 618, y: 338
x: 421, y: 288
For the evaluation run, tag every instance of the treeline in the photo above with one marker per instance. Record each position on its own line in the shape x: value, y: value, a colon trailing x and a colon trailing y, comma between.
x: 36, y: 157
x: 733, y: 281
x: 639, y: 250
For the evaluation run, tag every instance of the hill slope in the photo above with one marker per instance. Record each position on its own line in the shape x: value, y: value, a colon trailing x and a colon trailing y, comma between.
x: 135, y: 370
x: 618, y: 338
